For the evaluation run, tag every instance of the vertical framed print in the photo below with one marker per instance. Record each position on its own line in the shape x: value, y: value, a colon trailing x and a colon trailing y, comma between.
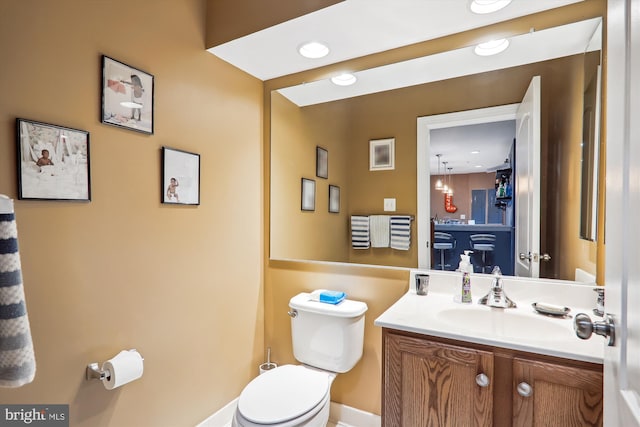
x: 53, y: 162
x: 322, y: 163
x: 180, y: 177
x: 334, y: 199
x: 308, y: 195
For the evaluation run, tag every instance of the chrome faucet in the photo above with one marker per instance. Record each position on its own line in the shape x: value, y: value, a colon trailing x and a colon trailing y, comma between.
x: 496, y: 296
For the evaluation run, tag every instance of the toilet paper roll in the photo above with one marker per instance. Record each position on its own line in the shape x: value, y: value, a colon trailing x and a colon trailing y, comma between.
x: 125, y: 367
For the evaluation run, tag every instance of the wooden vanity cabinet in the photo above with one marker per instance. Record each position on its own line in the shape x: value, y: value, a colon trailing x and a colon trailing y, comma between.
x: 430, y: 381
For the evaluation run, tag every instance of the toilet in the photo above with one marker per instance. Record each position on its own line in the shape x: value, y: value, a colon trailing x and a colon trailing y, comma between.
x: 328, y: 340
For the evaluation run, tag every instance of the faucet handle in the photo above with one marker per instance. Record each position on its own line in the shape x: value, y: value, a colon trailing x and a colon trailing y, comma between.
x: 496, y: 271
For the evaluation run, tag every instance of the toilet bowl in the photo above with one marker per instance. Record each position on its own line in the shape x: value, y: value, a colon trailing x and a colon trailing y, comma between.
x: 288, y: 396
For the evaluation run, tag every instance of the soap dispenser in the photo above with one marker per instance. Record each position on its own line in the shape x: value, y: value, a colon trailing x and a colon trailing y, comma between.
x: 466, y: 269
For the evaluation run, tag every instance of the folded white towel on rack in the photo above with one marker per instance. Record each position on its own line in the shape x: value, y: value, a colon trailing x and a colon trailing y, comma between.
x: 17, y: 360
x: 379, y: 230
x: 360, y: 232
x: 400, y: 226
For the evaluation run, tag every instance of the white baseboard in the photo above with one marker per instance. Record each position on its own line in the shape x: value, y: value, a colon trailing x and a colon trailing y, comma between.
x: 341, y: 415
x: 221, y: 418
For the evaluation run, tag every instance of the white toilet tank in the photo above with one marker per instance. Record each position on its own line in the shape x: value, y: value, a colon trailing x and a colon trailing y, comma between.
x: 327, y: 336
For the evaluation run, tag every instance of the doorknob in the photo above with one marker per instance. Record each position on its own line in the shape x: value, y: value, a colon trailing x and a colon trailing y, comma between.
x: 545, y: 257
x: 523, y: 256
x: 585, y: 328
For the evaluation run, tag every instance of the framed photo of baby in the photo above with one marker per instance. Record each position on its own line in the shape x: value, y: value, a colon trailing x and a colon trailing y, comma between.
x: 53, y: 162
x: 180, y: 177
x: 127, y: 96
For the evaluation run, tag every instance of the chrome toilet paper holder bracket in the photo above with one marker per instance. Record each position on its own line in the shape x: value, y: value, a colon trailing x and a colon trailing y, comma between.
x: 93, y: 371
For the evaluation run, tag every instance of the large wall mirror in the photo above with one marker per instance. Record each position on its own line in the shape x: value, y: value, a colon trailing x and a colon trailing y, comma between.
x: 346, y: 126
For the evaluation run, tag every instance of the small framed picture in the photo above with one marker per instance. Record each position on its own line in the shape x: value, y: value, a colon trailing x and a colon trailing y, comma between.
x: 180, y: 177
x: 308, y: 195
x: 53, y: 162
x: 334, y: 199
x: 382, y: 154
x: 322, y: 163
x: 127, y: 96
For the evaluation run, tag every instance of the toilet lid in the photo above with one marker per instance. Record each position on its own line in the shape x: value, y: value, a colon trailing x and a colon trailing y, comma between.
x: 282, y: 394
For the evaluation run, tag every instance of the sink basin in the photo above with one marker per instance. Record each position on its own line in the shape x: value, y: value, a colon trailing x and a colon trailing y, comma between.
x: 507, y: 323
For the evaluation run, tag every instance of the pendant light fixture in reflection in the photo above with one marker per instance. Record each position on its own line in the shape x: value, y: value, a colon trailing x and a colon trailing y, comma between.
x: 450, y: 187
x: 439, y: 181
x: 445, y: 187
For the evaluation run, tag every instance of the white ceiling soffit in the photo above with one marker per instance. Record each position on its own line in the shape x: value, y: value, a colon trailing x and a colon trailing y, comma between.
x: 355, y: 28
x: 477, y: 148
x: 527, y: 48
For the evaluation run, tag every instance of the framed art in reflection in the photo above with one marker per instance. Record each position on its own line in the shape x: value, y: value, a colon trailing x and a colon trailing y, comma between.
x: 334, y: 199
x: 322, y: 163
x: 308, y: 195
x: 382, y: 154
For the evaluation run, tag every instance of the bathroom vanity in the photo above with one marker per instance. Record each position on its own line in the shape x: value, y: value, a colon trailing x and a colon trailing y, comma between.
x: 452, y: 364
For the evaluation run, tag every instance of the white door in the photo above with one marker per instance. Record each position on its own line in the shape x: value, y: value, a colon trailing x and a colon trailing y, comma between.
x: 622, y: 270
x: 527, y: 183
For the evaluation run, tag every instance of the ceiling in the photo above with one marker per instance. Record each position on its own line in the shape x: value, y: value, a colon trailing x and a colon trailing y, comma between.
x: 355, y: 28
x: 474, y: 148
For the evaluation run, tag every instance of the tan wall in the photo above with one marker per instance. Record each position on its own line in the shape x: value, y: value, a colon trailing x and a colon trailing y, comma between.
x: 180, y: 284
x: 315, y: 234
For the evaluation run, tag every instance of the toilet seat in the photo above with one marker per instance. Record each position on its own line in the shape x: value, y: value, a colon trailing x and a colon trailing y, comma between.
x: 284, y: 394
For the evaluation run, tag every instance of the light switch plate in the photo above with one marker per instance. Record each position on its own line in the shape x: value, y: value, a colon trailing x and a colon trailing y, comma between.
x: 389, y: 205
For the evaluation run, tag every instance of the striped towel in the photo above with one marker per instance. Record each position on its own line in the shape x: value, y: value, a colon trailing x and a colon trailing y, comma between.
x: 379, y: 230
x: 400, y: 232
x: 17, y: 361
x: 359, y: 232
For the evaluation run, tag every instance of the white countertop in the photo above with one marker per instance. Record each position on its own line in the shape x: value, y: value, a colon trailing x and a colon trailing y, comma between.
x: 520, y: 328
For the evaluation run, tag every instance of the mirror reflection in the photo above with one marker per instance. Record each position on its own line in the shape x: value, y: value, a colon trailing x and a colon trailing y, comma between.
x: 345, y: 128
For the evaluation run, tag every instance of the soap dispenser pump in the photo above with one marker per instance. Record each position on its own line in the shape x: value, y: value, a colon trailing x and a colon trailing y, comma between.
x: 466, y: 269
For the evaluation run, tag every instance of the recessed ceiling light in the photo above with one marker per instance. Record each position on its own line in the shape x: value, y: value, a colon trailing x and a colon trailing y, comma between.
x: 492, y: 47
x: 478, y: 166
x: 475, y: 152
x: 313, y: 50
x: 488, y: 6
x: 345, y: 79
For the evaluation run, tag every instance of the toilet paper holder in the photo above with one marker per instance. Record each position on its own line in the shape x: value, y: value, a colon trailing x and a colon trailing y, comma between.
x: 94, y: 372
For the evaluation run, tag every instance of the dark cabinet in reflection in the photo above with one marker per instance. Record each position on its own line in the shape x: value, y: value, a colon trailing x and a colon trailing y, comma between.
x: 502, y: 253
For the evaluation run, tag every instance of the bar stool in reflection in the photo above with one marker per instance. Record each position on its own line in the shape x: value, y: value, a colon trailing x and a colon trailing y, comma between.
x: 483, y: 243
x: 443, y: 242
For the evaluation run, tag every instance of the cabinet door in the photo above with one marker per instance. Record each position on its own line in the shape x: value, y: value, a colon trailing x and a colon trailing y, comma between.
x: 428, y: 383
x: 549, y: 395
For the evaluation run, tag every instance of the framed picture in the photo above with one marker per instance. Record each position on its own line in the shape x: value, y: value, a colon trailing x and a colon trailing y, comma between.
x: 127, y: 96
x: 382, y: 154
x: 180, y: 177
x: 308, y: 194
x: 334, y: 199
x: 53, y: 162
x: 322, y: 163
